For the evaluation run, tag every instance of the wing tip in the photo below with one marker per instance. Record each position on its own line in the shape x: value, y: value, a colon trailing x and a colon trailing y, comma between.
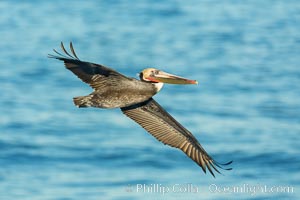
x: 222, y: 165
x: 65, y: 55
x: 215, y: 165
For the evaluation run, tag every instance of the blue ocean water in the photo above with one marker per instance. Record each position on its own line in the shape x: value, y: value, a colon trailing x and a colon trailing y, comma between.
x: 244, y: 54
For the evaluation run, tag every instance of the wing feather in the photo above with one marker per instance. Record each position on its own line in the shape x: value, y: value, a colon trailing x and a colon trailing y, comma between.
x: 153, y: 118
x: 95, y: 75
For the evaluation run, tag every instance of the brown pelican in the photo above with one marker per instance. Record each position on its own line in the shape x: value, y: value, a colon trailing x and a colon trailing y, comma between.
x: 134, y: 97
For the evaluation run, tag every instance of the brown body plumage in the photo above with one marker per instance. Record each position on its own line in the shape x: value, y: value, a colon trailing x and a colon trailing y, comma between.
x: 134, y: 97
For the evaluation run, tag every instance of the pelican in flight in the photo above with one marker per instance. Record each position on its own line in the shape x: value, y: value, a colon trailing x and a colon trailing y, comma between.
x: 134, y: 98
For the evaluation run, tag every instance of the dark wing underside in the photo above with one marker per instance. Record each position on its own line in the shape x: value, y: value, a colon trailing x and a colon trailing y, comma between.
x: 97, y: 76
x: 152, y: 117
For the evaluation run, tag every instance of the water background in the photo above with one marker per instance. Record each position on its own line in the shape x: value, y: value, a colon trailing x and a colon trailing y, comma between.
x: 244, y: 54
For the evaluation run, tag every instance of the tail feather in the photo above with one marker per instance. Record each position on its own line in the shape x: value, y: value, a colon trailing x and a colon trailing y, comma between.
x: 82, y: 101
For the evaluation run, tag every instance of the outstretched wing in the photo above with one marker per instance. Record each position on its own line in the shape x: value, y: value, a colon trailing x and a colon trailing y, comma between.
x: 158, y: 122
x: 97, y: 76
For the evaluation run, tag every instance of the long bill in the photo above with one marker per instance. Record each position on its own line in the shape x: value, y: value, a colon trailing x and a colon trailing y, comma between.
x: 170, y: 78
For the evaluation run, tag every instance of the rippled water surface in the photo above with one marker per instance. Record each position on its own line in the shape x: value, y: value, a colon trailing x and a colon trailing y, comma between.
x: 244, y: 54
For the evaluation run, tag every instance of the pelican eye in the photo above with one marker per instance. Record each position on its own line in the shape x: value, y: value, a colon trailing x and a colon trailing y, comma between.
x: 154, y: 72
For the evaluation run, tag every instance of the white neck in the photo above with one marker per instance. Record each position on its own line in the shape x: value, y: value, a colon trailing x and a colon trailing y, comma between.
x: 158, y: 86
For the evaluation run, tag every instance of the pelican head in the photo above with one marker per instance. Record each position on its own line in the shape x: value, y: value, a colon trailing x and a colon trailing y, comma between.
x: 158, y: 77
